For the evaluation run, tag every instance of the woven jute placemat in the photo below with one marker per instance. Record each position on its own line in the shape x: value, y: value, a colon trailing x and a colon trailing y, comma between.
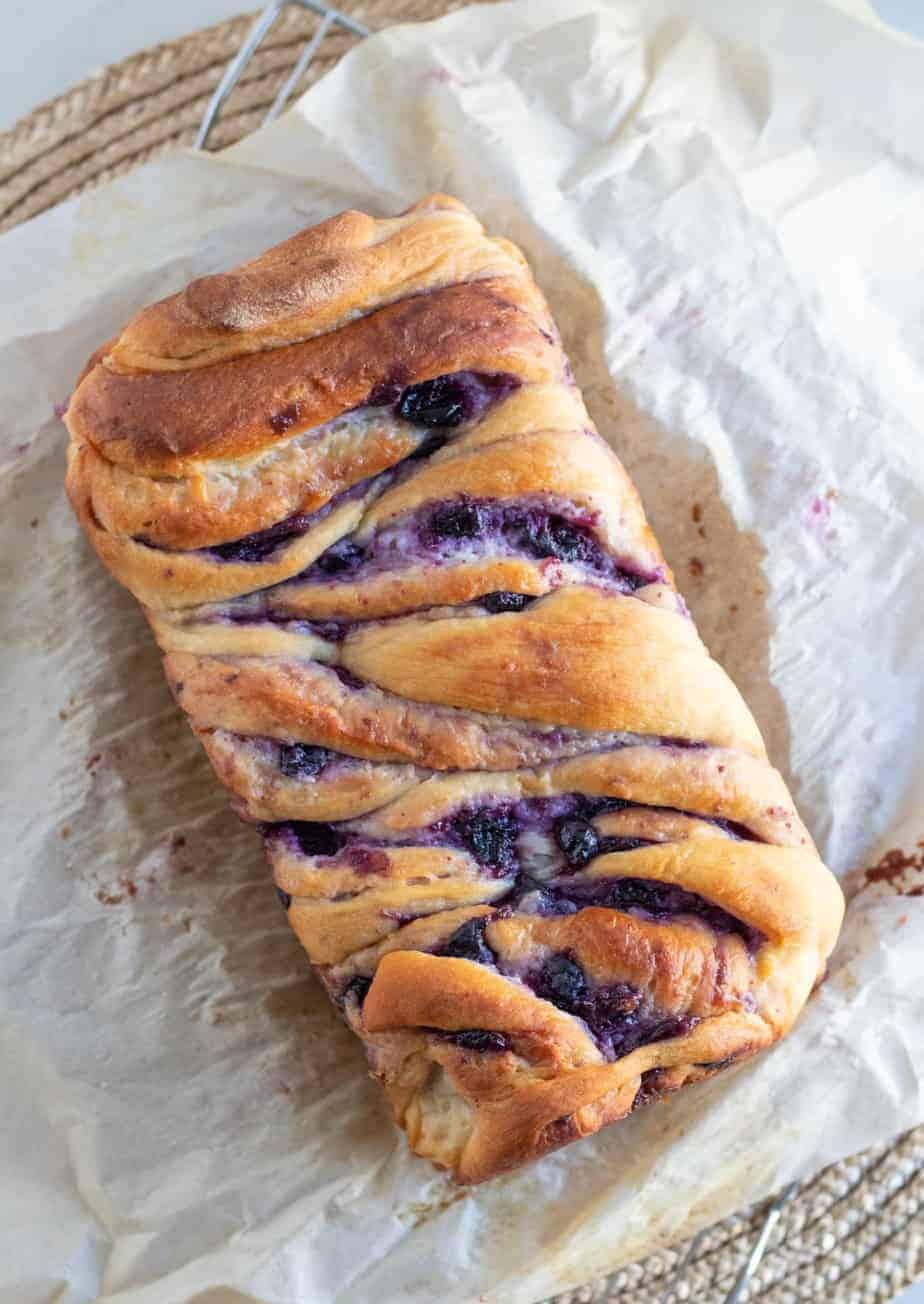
x: 854, y: 1233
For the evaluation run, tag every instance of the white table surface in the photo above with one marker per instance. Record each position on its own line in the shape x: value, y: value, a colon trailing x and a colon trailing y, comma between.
x: 61, y: 44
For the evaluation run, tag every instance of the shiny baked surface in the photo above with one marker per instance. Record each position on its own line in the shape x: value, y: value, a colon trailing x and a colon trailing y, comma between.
x: 523, y: 825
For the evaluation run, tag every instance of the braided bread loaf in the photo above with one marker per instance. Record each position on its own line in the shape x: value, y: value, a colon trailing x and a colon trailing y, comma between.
x: 522, y: 824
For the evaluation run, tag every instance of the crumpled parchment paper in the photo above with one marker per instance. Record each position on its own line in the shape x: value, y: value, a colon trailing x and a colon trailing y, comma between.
x: 735, y: 260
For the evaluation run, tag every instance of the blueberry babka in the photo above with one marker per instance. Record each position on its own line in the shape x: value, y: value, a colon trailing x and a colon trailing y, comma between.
x: 523, y: 825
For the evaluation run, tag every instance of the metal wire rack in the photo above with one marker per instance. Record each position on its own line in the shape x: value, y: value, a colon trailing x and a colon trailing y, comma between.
x: 331, y: 18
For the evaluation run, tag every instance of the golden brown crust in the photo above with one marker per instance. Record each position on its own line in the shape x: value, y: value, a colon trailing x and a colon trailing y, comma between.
x: 306, y: 702
x: 170, y: 579
x: 591, y: 684
x: 168, y: 422
x: 315, y: 282
x: 211, y: 506
x: 506, y: 1104
x: 449, y: 661
x: 297, y: 473
x: 522, y: 823
x: 350, y: 455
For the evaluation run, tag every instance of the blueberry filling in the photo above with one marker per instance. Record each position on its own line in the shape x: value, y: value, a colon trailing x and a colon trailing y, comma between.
x: 533, y: 528
x: 562, y: 982
x: 653, y: 899
x: 490, y: 832
x: 641, y: 894
x: 301, y: 761
x: 259, y: 546
x: 490, y: 838
x: 501, y: 837
x: 477, y: 1039
x: 467, y: 943
x: 447, y: 401
x: 285, y: 899
x: 617, y: 1015
x: 439, y: 402
x: 625, y: 1035
x: 317, y: 839
x: 505, y: 601
x: 341, y: 557
x: 263, y: 543
x: 553, y: 536
x: 358, y: 988
x: 491, y: 835
x: 540, y: 532
x: 456, y: 521
x: 332, y: 630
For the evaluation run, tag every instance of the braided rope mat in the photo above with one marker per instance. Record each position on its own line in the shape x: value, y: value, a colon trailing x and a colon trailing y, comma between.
x: 853, y: 1234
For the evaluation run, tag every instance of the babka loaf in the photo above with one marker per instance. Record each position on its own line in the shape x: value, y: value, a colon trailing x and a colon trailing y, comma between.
x: 523, y: 825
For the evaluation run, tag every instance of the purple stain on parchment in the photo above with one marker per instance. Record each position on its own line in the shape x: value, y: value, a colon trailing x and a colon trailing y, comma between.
x: 442, y: 75
x: 817, y: 519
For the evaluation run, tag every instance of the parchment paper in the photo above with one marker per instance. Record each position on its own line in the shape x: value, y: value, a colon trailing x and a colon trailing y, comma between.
x: 735, y: 261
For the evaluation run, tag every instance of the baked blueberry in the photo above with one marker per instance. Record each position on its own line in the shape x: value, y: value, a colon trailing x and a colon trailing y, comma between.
x: 563, y: 983
x: 467, y: 942
x: 577, y: 839
x: 478, y: 1039
x: 259, y: 546
x: 564, y: 541
x: 253, y: 548
x: 640, y: 894
x: 302, y: 761
x: 317, y: 839
x: 490, y: 838
x: 358, y: 988
x: 284, y: 898
x: 456, y: 521
x: 552, y: 536
x: 437, y: 402
x: 504, y: 601
x: 340, y: 557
